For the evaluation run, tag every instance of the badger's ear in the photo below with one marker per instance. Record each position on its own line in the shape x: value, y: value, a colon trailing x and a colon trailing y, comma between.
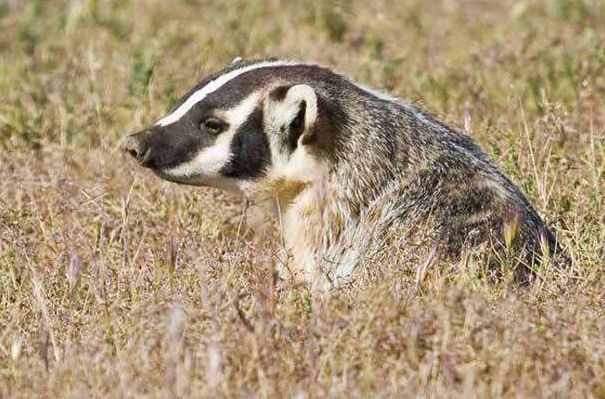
x: 298, y: 113
x: 237, y: 60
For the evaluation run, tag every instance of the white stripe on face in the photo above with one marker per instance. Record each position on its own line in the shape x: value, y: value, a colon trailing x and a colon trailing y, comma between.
x: 207, y: 162
x: 210, y: 160
x: 215, y: 85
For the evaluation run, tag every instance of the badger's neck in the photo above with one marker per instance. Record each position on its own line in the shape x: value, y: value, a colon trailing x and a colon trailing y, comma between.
x: 310, y: 217
x: 311, y: 222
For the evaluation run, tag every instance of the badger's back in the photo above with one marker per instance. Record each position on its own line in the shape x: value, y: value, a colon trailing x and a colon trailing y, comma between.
x: 416, y: 172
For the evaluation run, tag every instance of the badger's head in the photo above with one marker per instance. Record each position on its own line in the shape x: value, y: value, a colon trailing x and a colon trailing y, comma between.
x: 246, y: 128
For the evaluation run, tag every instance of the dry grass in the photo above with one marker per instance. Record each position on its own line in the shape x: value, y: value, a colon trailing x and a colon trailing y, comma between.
x: 115, y: 284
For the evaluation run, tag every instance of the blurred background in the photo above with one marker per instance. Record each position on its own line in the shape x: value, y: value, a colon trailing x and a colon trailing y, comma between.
x: 122, y: 63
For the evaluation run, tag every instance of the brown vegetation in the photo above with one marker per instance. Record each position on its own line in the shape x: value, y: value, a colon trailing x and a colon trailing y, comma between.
x: 114, y: 284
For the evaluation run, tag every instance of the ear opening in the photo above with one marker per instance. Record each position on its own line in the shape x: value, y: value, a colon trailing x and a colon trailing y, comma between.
x: 302, y: 101
x: 297, y: 126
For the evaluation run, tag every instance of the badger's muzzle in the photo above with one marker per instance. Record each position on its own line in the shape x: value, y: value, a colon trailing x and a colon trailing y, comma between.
x: 181, y: 153
x: 165, y: 148
x: 138, y: 147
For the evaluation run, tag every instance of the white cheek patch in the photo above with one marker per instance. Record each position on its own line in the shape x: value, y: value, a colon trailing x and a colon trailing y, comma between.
x: 303, y: 167
x: 210, y: 160
x: 215, y: 85
x: 300, y: 166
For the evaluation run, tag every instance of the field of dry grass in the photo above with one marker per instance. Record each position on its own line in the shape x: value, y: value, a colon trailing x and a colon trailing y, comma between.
x: 114, y: 284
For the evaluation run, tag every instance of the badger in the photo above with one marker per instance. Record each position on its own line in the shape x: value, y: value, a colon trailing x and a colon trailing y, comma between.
x: 346, y: 171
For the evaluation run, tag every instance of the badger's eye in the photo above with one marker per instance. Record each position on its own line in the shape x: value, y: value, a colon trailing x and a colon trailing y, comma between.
x: 212, y: 125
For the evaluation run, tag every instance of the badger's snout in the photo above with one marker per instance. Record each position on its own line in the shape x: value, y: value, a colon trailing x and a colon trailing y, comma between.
x: 138, y: 147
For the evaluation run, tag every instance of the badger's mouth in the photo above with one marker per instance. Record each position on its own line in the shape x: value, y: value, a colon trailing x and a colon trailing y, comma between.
x: 199, y: 180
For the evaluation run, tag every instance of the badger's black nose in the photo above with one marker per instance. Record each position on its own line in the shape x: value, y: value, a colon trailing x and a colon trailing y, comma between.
x: 137, y: 147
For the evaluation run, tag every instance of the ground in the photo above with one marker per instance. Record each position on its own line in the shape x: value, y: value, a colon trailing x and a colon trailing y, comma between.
x: 114, y: 284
